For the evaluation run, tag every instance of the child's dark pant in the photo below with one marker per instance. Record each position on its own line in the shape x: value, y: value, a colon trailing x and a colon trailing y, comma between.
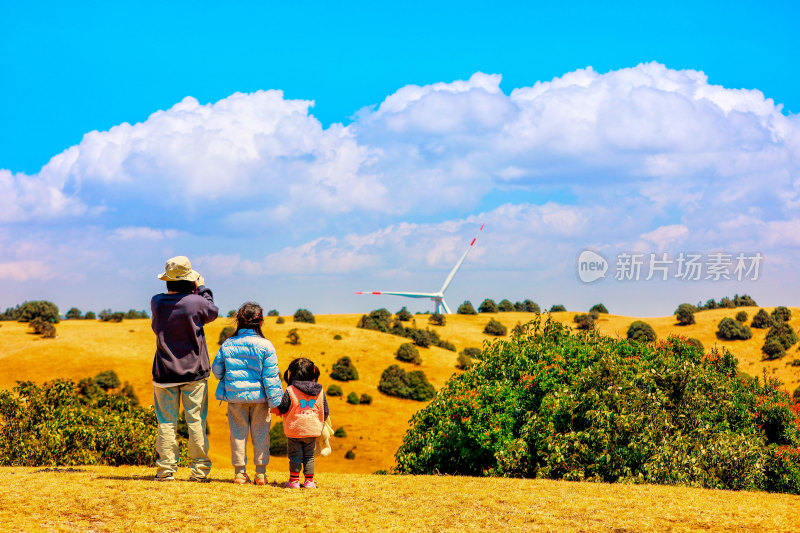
x: 301, y: 453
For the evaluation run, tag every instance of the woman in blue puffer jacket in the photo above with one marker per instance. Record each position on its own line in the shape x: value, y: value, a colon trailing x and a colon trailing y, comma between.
x: 249, y: 380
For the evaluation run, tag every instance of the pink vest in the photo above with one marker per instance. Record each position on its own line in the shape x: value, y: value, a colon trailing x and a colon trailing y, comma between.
x: 306, y: 416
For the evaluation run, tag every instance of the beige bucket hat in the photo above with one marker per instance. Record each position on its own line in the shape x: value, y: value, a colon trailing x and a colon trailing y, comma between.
x: 179, y: 269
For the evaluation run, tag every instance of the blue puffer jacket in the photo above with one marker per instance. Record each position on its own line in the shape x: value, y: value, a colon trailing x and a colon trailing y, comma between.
x: 247, y: 369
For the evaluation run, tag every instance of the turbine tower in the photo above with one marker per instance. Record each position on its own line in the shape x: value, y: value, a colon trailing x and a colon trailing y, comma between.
x: 437, y: 297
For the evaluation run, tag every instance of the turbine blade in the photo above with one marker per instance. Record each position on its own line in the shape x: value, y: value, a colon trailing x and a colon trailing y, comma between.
x: 446, y: 309
x: 458, y: 265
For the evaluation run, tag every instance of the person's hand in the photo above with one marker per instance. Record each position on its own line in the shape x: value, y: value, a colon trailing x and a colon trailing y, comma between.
x: 200, y: 281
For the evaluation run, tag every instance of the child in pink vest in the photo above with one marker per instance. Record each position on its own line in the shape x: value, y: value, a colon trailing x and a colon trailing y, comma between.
x: 304, y: 409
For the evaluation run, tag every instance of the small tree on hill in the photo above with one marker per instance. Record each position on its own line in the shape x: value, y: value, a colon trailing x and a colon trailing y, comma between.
x: 408, y: 353
x: 730, y: 329
x: 344, y: 370
x: 107, y: 379
x: 761, y: 320
x: 304, y: 315
x: 334, y: 391
x: 600, y: 308
x: 412, y: 385
x: 488, y: 306
x: 365, y: 399
x: 531, y: 306
x: 584, y: 322
x: 90, y: 316
x: 293, y: 336
x: 505, y: 306
x: 519, y: 307
x: 773, y: 349
x: 641, y: 331
x: 403, y: 315
x: 437, y: 319
x: 73, y: 314
x: 466, y: 309
x: 685, y: 314
x: 280, y: 320
x: 781, y: 313
x: 727, y: 303
x: 741, y: 316
x: 783, y: 333
x: 271, y: 312
x: 493, y: 327
x: 377, y: 320
x: 47, y: 311
x: 557, y: 308
x: 352, y: 398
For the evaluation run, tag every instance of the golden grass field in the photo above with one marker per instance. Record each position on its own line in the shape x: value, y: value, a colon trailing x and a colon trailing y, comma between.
x: 105, y: 498
x: 85, y: 348
x: 126, y: 499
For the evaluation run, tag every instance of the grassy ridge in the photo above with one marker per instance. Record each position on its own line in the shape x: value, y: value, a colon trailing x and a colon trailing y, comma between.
x: 117, y: 499
x: 84, y: 348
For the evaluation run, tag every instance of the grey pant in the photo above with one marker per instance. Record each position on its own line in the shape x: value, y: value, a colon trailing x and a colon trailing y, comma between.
x: 167, y: 402
x: 301, y: 453
x: 249, y: 419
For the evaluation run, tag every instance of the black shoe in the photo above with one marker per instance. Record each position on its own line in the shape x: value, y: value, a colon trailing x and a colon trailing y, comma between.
x: 167, y: 477
x: 196, y: 479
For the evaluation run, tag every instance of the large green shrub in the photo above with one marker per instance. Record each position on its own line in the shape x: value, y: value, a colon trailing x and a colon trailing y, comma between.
x: 730, y: 330
x: 377, y: 320
x: 494, y: 327
x: 466, y: 309
x: 403, y: 315
x: 584, y: 321
x: 600, y: 308
x: 413, y: 385
x: 641, y: 331
x: 761, y: 320
x: 334, y: 391
x: 56, y: 424
x: 352, y: 398
x: 73, y: 314
x: 685, y: 314
x: 552, y: 403
x: 408, y: 353
x: 741, y: 316
x: 557, y: 308
x: 488, y: 306
x: 781, y: 313
x: 107, y: 379
x: 505, y: 306
x: 47, y: 311
x: 531, y: 306
x: 304, y: 315
x: 437, y: 319
x: 782, y: 333
x: 278, y: 445
x: 344, y: 370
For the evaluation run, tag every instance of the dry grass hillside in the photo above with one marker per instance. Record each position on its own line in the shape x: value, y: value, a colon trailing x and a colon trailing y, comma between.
x: 84, y: 348
x: 125, y: 499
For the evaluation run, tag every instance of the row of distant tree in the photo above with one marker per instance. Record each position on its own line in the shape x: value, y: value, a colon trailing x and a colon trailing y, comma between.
x: 48, y: 312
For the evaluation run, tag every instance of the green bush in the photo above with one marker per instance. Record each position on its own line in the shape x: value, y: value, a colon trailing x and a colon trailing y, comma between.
x: 505, y: 306
x: 365, y: 399
x: 531, y: 306
x: 761, y: 321
x: 446, y: 345
x: 226, y: 333
x: 412, y: 385
x: 293, y: 337
x: 278, y: 445
x: 685, y: 314
x: 641, y: 331
x: 47, y: 311
x: 377, y: 320
x: 488, y: 306
x: 741, y: 316
x: 271, y: 312
x: 600, y: 308
x: 73, y: 314
x: 90, y: 316
x: 304, y: 315
x: 280, y: 320
x: 782, y: 332
x: 557, y: 308
x: 783, y: 314
x: 353, y: 398
x: 337, y: 337
x: 344, y: 370
x: 584, y: 321
x: 334, y: 391
x: 340, y: 433
x: 55, y: 424
x: 403, y: 315
x: 558, y: 404
x: 472, y: 352
x: 408, y: 353
x: 773, y: 349
x: 696, y: 343
x: 730, y: 329
x: 493, y: 327
x: 519, y: 307
x: 464, y: 361
x: 437, y: 319
x: 466, y: 309
x: 107, y: 379
x: 350, y: 454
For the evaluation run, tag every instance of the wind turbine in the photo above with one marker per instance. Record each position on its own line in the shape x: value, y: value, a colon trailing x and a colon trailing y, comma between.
x: 437, y: 297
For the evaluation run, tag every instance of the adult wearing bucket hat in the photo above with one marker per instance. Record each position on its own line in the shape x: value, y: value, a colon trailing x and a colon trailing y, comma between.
x: 181, y: 366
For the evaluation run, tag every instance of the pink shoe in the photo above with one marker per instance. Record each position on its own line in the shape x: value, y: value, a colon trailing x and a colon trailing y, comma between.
x: 309, y: 484
x: 291, y: 485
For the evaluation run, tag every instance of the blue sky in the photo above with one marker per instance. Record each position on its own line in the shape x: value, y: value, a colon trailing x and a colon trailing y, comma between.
x: 426, y: 121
